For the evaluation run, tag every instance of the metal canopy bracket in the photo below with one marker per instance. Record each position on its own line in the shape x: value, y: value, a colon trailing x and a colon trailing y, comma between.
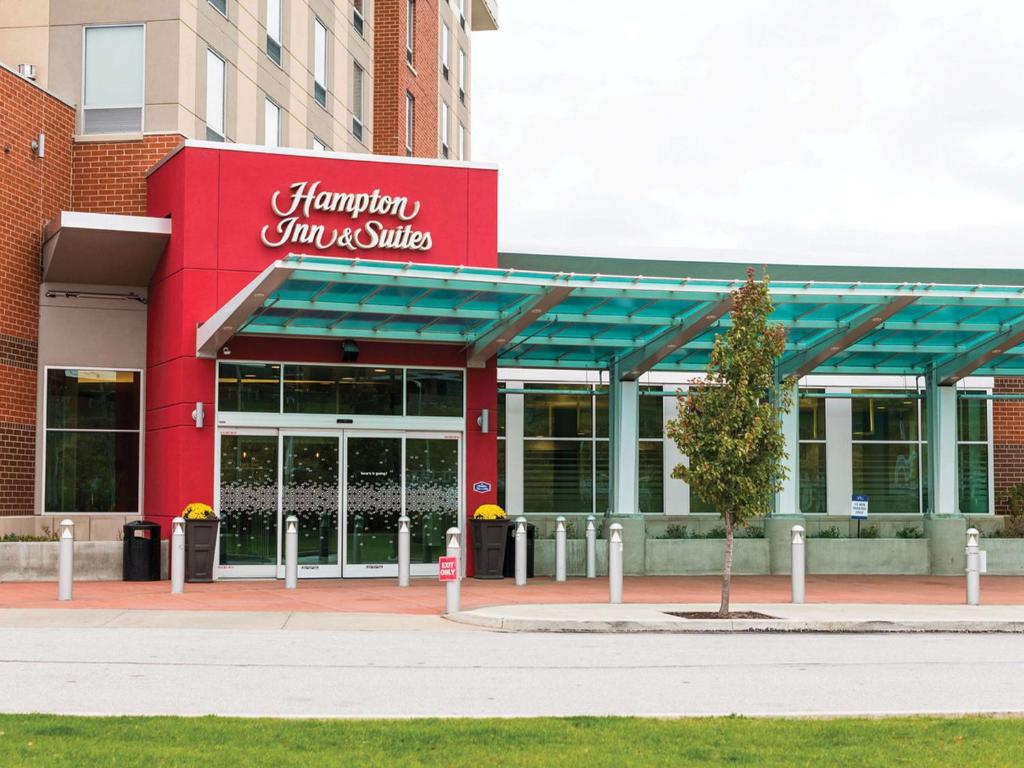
x: 955, y: 368
x: 503, y: 331
x: 863, y: 322
x: 634, y: 364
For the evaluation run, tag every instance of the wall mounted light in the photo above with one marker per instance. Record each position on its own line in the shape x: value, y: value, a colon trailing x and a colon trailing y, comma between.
x: 198, y: 415
x: 39, y: 145
x: 484, y: 421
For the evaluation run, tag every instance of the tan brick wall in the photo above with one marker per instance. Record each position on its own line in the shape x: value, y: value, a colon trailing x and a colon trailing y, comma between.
x: 32, y: 191
x: 393, y: 78
x: 110, y: 177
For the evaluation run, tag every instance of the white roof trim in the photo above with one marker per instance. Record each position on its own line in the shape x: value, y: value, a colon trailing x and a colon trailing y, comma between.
x: 110, y: 222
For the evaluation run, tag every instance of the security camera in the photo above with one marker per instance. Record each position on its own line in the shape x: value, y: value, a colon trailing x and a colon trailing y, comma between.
x: 226, y: 351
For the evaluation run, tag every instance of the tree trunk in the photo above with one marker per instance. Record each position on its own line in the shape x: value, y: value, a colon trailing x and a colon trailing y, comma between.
x: 723, y: 608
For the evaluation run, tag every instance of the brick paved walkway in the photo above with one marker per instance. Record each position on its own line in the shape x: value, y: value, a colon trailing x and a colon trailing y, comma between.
x: 426, y: 596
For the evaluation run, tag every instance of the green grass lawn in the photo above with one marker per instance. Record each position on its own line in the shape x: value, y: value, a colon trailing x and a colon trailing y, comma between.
x: 47, y: 740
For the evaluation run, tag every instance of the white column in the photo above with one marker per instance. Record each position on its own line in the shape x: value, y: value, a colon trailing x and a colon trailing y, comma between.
x: 677, y: 493
x: 942, y: 485
x: 787, y: 501
x: 839, y: 452
x: 623, y: 448
x: 514, y: 453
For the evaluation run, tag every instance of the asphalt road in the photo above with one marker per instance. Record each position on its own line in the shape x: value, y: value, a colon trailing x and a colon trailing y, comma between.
x: 444, y: 671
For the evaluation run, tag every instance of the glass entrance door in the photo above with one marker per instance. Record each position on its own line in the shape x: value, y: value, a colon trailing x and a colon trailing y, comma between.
x: 310, y: 465
x: 248, y: 504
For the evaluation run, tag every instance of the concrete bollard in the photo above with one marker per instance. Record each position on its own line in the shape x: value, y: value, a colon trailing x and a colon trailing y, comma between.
x: 520, y: 540
x: 404, y: 542
x: 451, y: 588
x: 66, y: 563
x: 973, y: 568
x: 177, y: 555
x: 591, y: 548
x: 615, y: 563
x: 291, y: 552
x: 799, y: 563
x: 559, y: 548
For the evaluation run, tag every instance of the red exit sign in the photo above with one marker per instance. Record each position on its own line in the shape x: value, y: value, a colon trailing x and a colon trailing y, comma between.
x: 447, y: 569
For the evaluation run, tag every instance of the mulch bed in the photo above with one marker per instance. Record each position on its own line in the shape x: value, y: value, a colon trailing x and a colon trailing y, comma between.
x: 717, y: 615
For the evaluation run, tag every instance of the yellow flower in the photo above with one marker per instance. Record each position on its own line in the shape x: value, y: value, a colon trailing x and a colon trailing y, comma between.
x: 198, y: 511
x: 489, y: 512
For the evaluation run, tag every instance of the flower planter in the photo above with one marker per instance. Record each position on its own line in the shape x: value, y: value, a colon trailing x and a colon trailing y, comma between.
x: 694, y: 557
x: 868, y: 556
x: 489, y: 547
x: 200, y: 544
x: 1005, y: 556
x: 37, y: 560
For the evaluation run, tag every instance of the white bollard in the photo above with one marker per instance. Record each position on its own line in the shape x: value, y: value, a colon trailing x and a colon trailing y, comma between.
x: 404, y: 540
x: 973, y: 568
x: 798, y: 563
x: 291, y: 552
x: 451, y: 588
x: 615, y: 563
x: 66, y: 566
x: 177, y: 556
x: 520, y: 539
x: 591, y: 548
x: 559, y: 548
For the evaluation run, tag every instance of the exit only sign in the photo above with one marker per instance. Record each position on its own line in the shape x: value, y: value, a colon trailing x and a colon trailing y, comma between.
x: 447, y: 568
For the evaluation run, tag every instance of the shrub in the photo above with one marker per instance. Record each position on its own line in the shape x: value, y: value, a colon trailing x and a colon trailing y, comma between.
x: 674, y: 531
x: 910, y: 532
x: 827, y: 533
x: 1013, y: 524
x: 47, y: 535
x: 871, y: 532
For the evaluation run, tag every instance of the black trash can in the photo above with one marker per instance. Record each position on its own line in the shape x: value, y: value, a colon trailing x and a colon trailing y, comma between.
x: 141, y: 551
x: 509, y: 568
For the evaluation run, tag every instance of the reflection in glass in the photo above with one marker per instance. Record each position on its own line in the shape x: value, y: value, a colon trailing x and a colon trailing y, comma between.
x: 431, y: 494
x: 310, y: 492
x: 812, y: 416
x: 249, y: 387
x: 651, y: 463
x: 92, y: 471
x: 559, y: 415
x: 973, y: 467
x: 433, y: 393
x: 972, y: 420
x: 373, y: 499
x: 248, y: 500
x: 80, y: 399
x: 883, y: 418
x: 889, y: 474
x: 813, y: 497
x: 651, y: 415
x: 343, y: 390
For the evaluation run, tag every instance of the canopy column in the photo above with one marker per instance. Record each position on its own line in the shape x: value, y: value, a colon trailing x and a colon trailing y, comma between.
x: 623, y: 444
x: 940, y: 404
x: 787, y: 501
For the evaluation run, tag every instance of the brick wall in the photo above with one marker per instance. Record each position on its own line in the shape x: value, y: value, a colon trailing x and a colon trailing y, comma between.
x: 32, y: 191
x: 393, y: 78
x: 110, y: 177
x: 1007, y: 437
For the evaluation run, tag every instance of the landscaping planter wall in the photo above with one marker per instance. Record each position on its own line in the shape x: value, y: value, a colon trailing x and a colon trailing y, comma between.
x: 686, y: 557
x: 575, y: 557
x: 94, y: 560
x: 1005, y: 556
x: 868, y: 556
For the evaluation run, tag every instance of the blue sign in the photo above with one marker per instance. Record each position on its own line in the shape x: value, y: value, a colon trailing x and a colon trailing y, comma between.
x: 859, y: 507
x: 482, y: 487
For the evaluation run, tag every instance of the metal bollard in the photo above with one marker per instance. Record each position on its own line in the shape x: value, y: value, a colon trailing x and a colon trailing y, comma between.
x: 291, y: 552
x: 66, y: 566
x: 973, y: 568
x: 451, y: 588
x: 799, y: 563
x: 404, y: 540
x: 615, y: 563
x: 177, y: 555
x: 591, y: 548
x: 559, y: 548
x: 520, y: 537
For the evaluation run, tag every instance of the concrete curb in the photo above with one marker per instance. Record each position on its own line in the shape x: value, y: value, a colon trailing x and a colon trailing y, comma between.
x: 699, y: 626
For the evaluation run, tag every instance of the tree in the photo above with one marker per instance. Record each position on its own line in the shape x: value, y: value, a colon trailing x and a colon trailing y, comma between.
x: 729, y: 424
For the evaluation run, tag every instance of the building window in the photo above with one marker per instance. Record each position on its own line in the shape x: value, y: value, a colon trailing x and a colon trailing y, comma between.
x: 812, y: 479
x: 318, y: 146
x: 410, y: 110
x: 445, y: 52
x: 215, y: 91
x: 462, y: 13
x: 887, y: 451
x: 462, y: 142
x: 92, y: 441
x: 221, y: 6
x: 651, y: 457
x: 410, y: 31
x: 462, y: 76
x: 357, y: 16
x: 357, y: 100
x: 271, y: 124
x: 320, y: 63
x: 113, y: 81
x: 973, y: 456
x: 445, y: 122
x: 274, y: 31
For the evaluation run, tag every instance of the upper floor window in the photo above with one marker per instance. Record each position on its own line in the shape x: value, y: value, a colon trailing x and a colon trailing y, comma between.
x: 271, y: 124
x: 274, y: 30
x: 357, y: 100
x: 319, y: 146
x: 462, y: 142
x: 445, y: 122
x: 410, y: 109
x: 445, y: 53
x: 320, y: 62
x: 220, y: 5
x: 462, y: 76
x: 215, y: 90
x: 357, y: 16
x: 462, y: 13
x: 113, y: 79
x: 410, y: 31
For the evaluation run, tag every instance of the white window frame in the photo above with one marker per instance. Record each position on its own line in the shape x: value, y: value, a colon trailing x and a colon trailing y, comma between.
x: 446, y: 121
x: 446, y: 53
x: 462, y: 74
x: 410, y: 123
x: 212, y: 54
x: 267, y: 104
x: 358, y: 111
x: 277, y: 38
x: 319, y: 146
x: 140, y: 106
x: 320, y: 62
x: 358, y: 19
x: 462, y: 142
x: 141, y: 431
x: 410, y: 33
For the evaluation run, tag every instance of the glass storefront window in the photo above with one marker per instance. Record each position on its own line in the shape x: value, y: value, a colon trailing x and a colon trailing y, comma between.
x: 92, y: 437
x: 813, y: 492
x: 651, y: 415
x: 558, y: 476
x: 651, y: 465
x: 884, y: 418
x: 812, y: 416
x: 433, y: 393
x: 558, y: 415
x: 343, y: 390
x: 249, y: 387
x: 972, y: 462
x: 972, y: 420
x: 889, y: 474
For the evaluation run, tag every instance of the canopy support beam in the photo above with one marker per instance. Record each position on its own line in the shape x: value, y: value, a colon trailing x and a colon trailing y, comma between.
x: 237, y: 313
x: 952, y: 370
x: 496, y: 337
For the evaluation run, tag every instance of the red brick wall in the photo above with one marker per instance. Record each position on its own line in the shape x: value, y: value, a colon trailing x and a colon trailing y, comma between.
x: 32, y: 191
x: 1007, y: 438
x: 110, y: 177
x: 392, y: 77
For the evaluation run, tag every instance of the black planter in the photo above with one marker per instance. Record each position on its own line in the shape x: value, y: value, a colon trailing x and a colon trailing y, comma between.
x: 489, y: 547
x: 200, y: 543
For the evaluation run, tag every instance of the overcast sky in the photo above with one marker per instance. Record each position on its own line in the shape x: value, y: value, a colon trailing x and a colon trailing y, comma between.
x: 839, y: 127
